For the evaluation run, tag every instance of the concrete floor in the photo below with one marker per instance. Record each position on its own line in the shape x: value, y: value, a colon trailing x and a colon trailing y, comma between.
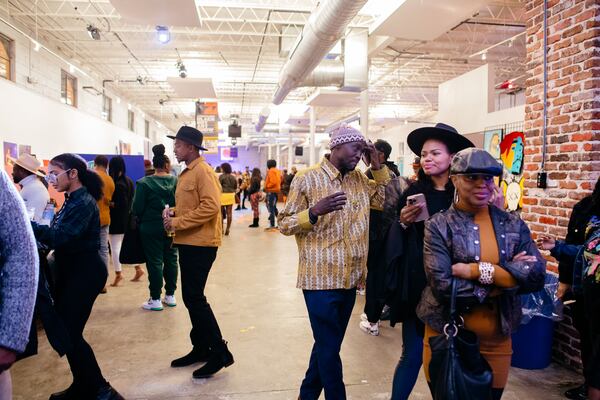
x: 262, y: 315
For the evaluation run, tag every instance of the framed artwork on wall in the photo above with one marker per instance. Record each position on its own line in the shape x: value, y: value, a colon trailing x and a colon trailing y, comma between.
x: 491, y: 142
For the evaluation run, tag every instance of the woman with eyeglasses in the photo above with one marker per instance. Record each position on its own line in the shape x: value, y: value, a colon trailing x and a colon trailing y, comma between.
x: 435, y: 146
x: 74, y: 234
x: 492, y: 258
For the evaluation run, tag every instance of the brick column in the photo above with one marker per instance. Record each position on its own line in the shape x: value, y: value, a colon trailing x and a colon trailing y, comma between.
x: 573, y: 133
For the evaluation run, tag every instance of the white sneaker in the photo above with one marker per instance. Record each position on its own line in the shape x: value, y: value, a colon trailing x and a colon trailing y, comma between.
x: 153, y: 305
x: 170, y: 300
x: 371, y: 329
x: 363, y: 317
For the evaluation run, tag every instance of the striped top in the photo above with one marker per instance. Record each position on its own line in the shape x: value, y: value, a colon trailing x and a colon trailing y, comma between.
x: 333, y: 252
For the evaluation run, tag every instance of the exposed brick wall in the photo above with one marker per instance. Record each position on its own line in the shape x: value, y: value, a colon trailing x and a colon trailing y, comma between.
x: 573, y: 134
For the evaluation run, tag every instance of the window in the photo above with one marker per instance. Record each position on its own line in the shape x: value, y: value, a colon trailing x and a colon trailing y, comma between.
x: 6, y: 57
x: 68, y: 89
x: 131, y: 120
x: 107, y: 108
x: 147, y: 129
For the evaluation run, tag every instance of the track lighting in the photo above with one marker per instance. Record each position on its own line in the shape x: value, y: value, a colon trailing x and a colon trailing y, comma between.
x: 162, y: 34
x: 93, y: 32
x: 181, y: 68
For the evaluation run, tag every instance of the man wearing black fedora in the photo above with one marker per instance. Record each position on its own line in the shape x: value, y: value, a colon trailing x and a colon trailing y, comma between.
x: 196, y: 223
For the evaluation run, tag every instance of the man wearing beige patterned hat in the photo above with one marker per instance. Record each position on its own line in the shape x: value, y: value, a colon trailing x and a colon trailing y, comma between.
x: 328, y: 212
x: 34, y: 193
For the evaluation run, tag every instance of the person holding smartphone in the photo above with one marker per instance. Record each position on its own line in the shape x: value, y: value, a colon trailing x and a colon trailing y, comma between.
x: 430, y: 194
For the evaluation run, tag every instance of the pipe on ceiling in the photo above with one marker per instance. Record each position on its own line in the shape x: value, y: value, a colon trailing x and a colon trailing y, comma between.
x: 322, y: 31
x: 327, y: 73
x: 262, y: 119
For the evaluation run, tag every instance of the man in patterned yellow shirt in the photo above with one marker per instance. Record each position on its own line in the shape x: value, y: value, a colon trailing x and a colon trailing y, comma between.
x: 328, y: 212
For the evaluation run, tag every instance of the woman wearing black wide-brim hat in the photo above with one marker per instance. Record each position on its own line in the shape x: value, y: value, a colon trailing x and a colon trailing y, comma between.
x: 435, y: 146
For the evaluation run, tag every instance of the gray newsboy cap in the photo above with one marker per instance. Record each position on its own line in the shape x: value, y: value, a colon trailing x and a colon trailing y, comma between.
x: 475, y: 161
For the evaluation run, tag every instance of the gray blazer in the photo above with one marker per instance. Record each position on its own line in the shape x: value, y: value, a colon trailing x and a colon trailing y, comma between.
x: 451, y: 237
x: 18, y: 268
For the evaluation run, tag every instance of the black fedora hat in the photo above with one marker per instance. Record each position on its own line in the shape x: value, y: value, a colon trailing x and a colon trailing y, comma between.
x: 189, y: 135
x: 442, y: 132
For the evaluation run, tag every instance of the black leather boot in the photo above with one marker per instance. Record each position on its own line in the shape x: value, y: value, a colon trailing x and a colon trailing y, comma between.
x: 193, y: 357
x: 254, y: 223
x: 217, y: 362
x: 67, y: 394
x: 108, y: 393
x: 577, y: 393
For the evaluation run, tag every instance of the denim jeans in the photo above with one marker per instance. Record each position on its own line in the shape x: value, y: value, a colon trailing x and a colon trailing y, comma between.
x: 104, y: 244
x: 410, y: 362
x: 272, y: 207
x: 329, y: 312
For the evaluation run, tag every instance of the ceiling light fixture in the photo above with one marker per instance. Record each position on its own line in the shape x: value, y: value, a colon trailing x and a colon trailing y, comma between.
x: 181, y: 68
x: 36, y: 45
x: 163, y: 34
x: 484, y: 56
x: 93, y: 32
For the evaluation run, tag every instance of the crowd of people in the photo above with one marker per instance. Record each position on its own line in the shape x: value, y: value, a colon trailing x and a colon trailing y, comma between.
x: 435, y: 252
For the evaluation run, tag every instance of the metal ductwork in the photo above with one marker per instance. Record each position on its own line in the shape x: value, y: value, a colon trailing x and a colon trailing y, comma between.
x: 262, y: 119
x: 324, y: 28
x: 327, y: 73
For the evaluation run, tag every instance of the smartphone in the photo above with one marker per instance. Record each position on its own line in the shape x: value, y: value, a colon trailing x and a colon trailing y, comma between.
x: 416, y: 199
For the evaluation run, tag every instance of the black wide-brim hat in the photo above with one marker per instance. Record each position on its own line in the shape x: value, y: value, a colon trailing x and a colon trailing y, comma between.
x: 189, y: 135
x: 442, y: 132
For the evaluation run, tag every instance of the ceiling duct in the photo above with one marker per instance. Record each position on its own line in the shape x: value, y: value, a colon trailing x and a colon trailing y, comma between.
x: 324, y: 28
x: 262, y: 118
x: 327, y: 73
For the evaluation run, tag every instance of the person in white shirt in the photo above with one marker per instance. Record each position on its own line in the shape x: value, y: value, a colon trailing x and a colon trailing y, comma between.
x: 34, y: 193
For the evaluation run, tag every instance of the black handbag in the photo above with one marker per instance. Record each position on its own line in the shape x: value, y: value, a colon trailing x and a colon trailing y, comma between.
x: 457, y: 370
x: 132, y: 251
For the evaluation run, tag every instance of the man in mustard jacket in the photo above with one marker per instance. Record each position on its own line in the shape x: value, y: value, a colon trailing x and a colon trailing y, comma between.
x: 196, y: 223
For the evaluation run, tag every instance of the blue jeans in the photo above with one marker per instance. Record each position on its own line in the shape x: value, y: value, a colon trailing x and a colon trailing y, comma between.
x: 104, y: 244
x: 410, y: 362
x: 272, y: 207
x: 329, y: 312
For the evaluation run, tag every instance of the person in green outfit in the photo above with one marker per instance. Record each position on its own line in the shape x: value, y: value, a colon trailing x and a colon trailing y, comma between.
x: 152, y: 194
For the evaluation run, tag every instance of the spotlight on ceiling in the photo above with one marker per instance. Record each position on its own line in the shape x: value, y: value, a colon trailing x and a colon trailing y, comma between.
x: 181, y: 69
x: 484, y: 56
x: 93, y: 32
x: 140, y: 80
x: 162, y: 34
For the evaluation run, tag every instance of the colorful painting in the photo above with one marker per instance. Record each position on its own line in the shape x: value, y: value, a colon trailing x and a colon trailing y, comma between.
x: 208, y: 123
x: 124, y: 148
x: 512, y: 154
x: 10, y: 151
x: 491, y: 142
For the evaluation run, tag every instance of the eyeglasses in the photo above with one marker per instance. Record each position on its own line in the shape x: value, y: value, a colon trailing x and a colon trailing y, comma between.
x: 476, y: 177
x: 52, y: 178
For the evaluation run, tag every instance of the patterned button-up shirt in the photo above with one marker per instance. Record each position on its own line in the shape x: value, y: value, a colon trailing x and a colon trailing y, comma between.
x: 333, y: 252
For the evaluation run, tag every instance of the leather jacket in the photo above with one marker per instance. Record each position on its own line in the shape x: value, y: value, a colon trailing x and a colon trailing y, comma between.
x: 451, y: 237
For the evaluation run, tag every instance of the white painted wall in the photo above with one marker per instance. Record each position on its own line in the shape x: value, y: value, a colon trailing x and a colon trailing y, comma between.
x: 33, y: 114
x: 467, y: 102
x: 464, y: 103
